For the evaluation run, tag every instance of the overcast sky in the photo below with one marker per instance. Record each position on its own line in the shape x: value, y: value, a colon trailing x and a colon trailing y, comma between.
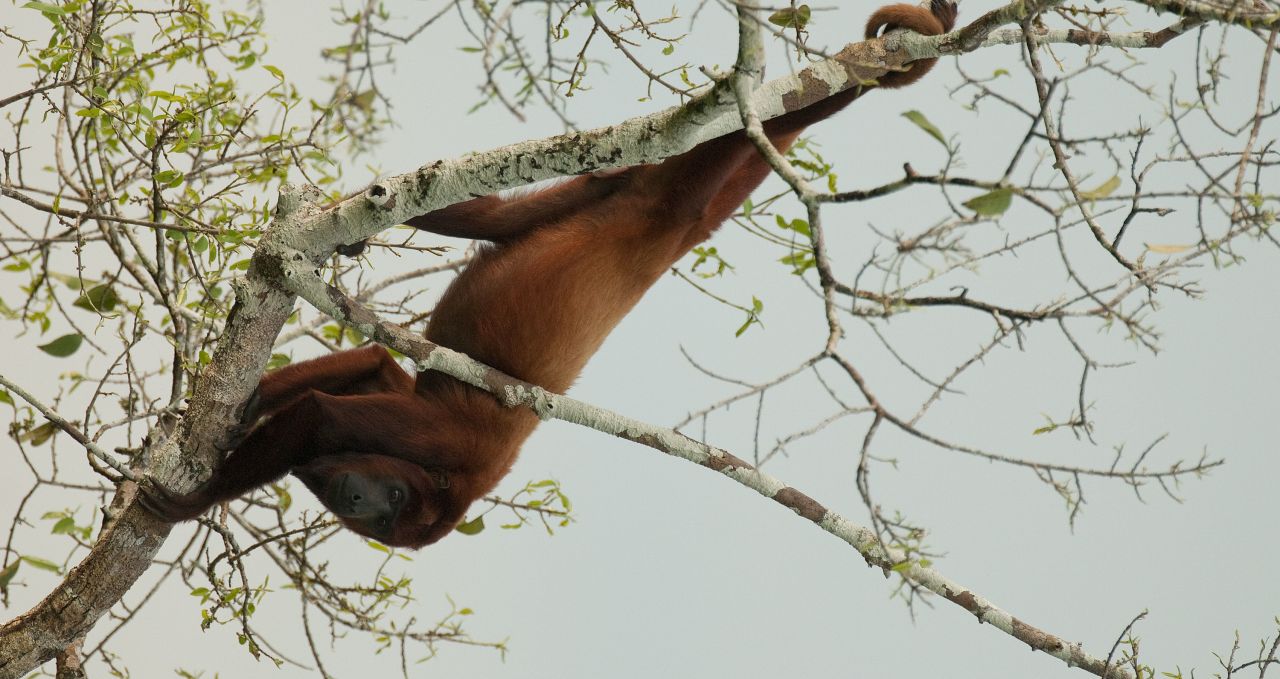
x: 672, y: 570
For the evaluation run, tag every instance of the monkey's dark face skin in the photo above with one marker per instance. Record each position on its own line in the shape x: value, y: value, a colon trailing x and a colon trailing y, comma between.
x: 368, y: 505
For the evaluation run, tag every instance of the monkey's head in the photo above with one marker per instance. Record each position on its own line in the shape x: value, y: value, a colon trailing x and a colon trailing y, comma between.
x: 393, y: 501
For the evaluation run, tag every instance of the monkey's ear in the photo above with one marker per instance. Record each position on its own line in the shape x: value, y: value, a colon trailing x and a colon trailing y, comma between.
x: 438, y: 530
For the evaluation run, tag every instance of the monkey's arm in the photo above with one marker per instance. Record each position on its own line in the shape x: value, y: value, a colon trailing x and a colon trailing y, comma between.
x: 502, y: 219
x: 365, y: 370
x: 313, y: 426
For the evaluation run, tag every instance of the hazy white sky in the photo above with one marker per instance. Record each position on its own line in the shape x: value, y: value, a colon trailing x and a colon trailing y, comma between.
x: 671, y: 570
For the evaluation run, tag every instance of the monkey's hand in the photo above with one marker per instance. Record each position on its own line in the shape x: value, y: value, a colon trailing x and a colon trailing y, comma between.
x: 237, y: 432
x: 168, y: 506
x: 354, y: 249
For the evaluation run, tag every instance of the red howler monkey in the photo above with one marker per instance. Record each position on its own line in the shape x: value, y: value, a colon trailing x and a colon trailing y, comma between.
x: 399, y: 459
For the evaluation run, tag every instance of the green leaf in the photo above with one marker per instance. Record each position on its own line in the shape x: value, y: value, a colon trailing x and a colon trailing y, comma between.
x: 64, y: 526
x: 1103, y: 190
x: 169, y: 178
x: 364, y: 100
x: 98, y: 48
x: 799, y: 262
x: 991, y: 204
x: 42, y: 564
x: 924, y: 124
x: 1167, y: 248
x: 63, y: 346
x: 274, y: 71
x: 100, y: 297
x: 278, y: 361
x: 753, y: 316
x: 800, y: 226
x: 72, y: 282
x: 40, y: 434
x: 6, y: 575
x: 472, y: 527
x: 5, y: 397
x: 1049, y: 427
x: 792, y: 18
x: 283, y: 497
x: 46, y: 8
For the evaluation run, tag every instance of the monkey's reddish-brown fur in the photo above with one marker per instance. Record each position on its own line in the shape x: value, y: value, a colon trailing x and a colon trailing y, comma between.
x: 565, y: 265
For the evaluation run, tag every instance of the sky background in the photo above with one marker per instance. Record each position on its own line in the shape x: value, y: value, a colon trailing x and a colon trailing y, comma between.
x: 672, y: 570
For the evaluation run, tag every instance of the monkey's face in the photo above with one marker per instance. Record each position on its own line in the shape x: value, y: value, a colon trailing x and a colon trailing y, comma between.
x: 385, y: 498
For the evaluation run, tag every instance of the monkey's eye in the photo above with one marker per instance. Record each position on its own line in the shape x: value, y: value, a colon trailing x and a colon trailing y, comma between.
x: 383, y: 523
x: 396, y: 496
